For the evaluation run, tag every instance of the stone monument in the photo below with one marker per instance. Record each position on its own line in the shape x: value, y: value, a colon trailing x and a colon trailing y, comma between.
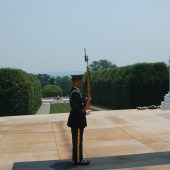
x: 165, y: 105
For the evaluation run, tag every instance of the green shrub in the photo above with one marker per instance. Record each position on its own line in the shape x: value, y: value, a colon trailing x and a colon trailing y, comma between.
x: 130, y: 86
x: 36, y: 92
x: 20, y: 92
x: 51, y: 91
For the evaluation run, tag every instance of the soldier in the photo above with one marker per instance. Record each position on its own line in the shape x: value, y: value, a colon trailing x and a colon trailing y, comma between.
x: 77, y: 120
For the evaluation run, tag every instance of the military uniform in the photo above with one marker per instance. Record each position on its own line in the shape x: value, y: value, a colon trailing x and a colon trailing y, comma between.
x: 77, y: 122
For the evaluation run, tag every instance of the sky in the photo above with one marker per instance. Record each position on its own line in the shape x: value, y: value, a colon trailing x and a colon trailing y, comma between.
x: 41, y: 36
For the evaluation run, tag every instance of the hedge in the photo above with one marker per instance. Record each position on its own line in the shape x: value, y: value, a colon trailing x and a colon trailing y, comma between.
x: 20, y: 92
x: 130, y: 86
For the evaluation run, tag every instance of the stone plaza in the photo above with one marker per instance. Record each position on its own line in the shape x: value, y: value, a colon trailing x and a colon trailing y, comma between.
x: 115, y: 139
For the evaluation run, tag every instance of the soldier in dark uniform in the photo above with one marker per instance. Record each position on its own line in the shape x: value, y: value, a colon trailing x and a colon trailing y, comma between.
x: 77, y: 120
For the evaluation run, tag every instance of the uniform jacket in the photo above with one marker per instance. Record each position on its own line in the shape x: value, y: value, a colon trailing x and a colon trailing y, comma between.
x: 77, y: 117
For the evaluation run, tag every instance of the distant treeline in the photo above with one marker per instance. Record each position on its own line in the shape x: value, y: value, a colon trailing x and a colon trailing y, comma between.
x: 130, y: 86
x: 20, y: 92
x: 63, y: 82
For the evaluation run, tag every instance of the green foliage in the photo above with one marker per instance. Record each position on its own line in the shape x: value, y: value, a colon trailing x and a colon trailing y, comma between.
x: 100, y: 65
x: 51, y: 91
x: 60, y: 108
x: 44, y: 79
x: 63, y: 82
x: 36, y: 92
x: 20, y: 92
x: 130, y: 86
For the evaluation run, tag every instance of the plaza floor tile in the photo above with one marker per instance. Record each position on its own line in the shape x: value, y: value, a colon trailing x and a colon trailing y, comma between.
x: 109, y: 133
x: 35, y: 156
x: 27, y: 138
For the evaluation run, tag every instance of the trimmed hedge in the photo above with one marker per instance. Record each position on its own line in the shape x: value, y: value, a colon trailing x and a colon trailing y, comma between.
x: 20, y: 92
x: 127, y: 87
x: 52, y: 91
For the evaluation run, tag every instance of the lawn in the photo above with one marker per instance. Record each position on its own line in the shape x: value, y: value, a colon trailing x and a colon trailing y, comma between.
x: 61, y: 108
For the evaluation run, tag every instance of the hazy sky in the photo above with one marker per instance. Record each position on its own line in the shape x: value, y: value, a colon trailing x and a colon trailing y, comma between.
x: 50, y: 35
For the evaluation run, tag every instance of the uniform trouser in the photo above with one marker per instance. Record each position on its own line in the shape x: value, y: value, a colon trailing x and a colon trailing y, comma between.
x: 77, y: 142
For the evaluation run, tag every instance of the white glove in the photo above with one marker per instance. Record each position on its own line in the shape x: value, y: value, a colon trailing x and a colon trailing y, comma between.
x: 88, y: 112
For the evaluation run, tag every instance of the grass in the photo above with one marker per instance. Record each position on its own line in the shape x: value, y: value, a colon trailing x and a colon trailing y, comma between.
x: 62, y: 108
x: 59, y: 108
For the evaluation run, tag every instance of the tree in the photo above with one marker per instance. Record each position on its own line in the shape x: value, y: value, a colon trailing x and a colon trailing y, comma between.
x: 101, y: 65
x: 51, y: 91
x: 63, y: 82
x: 66, y: 85
x: 52, y: 80
x: 44, y: 79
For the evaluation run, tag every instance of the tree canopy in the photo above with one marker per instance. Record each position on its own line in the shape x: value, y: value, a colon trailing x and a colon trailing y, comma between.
x: 101, y: 65
x: 51, y: 91
x: 63, y: 82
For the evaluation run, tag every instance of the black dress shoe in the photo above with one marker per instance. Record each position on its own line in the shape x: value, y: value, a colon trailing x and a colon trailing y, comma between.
x: 82, y: 163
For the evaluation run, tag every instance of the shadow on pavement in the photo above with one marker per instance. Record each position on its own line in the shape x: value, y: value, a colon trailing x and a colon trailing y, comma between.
x: 111, y: 162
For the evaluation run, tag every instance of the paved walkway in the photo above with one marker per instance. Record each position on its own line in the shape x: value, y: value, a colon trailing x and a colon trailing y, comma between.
x: 122, y: 139
x: 44, y: 109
